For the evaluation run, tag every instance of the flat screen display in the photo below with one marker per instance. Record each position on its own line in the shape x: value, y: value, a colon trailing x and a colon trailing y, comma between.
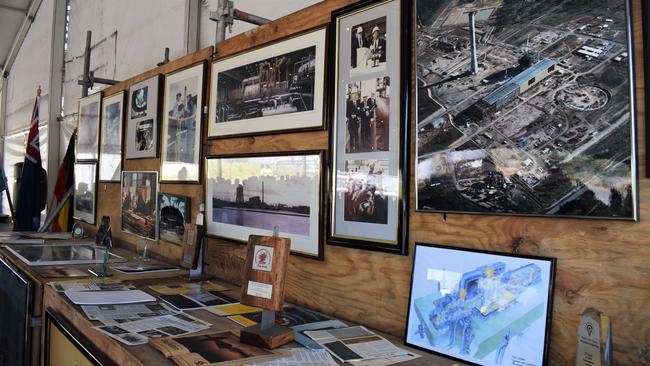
x: 483, y: 308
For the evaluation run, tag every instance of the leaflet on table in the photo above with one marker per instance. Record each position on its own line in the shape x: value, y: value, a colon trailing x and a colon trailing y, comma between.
x: 144, y: 268
x: 301, y: 357
x: 355, y: 344
x: 232, y: 309
x: 187, y: 288
x: 197, y: 300
x: 387, y: 361
x: 119, y: 314
x: 290, y: 316
x: 299, y: 332
x: 139, y: 331
x: 89, y: 285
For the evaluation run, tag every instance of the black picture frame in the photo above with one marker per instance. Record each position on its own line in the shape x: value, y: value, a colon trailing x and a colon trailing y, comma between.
x: 321, y: 72
x: 85, y: 347
x: 398, y: 245
x: 321, y: 198
x: 186, y: 214
x: 435, y: 192
x: 447, y: 265
x: 90, y: 218
x: 137, y: 228
x: 156, y: 82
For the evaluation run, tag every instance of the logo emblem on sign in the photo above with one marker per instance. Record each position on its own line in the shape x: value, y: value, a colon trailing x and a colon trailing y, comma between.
x: 590, y: 328
x: 263, y: 258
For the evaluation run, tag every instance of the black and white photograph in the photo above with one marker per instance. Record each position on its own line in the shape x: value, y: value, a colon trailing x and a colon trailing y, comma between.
x: 254, y: 194
x: 366, y: 190
x: 181, y: 132
x: 110, y: 150
x: 141, y: 139
x: 85, y: 185
x: 88, y: 130
x: 139, y: 100
x: 139, y: 203
x: 528, y: 114
x: 368, y: 47
x: 368, y: 116
x: 369, y: 144
x: 277, y: 87
x: 174, y: 213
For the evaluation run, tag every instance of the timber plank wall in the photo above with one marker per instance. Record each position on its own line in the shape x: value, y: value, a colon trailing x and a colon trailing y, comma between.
x: 601, y: 264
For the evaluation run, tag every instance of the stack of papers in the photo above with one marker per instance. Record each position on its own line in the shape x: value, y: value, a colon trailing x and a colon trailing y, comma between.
x: 359, y: 346
x: 119, y: 314
x: 139, y: 331
x: 301, y: 357
x: 197, y: 300
x: 232, y: 309
x: 85, y: 285
x: 108, y: 297
x: 187, y: 288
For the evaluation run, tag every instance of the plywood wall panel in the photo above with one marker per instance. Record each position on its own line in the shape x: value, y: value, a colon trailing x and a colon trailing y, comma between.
x: 602, y: 264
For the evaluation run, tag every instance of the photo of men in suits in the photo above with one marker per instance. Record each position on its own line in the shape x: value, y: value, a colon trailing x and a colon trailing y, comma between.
x: 368, y: 47
x: 367, y: 116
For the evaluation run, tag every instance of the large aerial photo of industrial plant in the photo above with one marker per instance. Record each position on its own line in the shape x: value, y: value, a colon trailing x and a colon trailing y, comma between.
x: 524, y: 107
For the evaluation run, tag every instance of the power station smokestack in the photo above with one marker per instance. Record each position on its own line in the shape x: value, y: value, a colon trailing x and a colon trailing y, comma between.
x: 472, y: 40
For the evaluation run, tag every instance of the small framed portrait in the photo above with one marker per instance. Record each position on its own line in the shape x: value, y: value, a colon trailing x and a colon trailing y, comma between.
x: 182, y: 121
x: 143, y: 119
x: 174, y: 213
x: 85, y: 191
x: 88, y: 127
x: 140, y: 204
x: 110, y: 149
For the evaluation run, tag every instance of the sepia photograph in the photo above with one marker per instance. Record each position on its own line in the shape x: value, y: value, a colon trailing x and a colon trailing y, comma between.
x: 182, y: 125
x: 174, y: 212
x: 253, y: 195
x: 219, y: 347
x: 365, y: 188
x: 141, y: 139
x: 368, y: 47
x: 88, y: 128
x: 110, y: 150
x: 277, y: 87
x: 368, y: 116
x: 528, y: 114
x: 139, y: 201
x: 85, y: 191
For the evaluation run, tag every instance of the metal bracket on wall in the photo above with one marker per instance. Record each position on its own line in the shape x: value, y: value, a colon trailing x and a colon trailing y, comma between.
x: 166, y: 59
x: 88, y: 79
x: 225, y: 16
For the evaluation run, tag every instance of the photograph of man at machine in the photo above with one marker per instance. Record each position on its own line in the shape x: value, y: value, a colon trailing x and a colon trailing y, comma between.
x: 278, y: 85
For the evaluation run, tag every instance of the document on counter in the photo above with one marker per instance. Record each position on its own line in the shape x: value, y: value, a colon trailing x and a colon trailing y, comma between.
x: 299, y: 332
x: 139, y: 331
x: 355, y: 344
x: 89, y: 285
x: 186, y: 288
x: 301, y: 357
x: 387, y: 361
x: 197, y: 300
x: 232, y: 309
x: 108, y: 297
x: 119, y: 314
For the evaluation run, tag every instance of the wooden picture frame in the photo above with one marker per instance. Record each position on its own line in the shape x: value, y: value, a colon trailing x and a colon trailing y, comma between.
x: 178, y: 205
x: 110, y: 148
x: 477, y: 291
x: 139, y: 204
x: 304, y: 230
x: 143, y: 118
x: 88, y: 123
x: 287, y: 93
x: 180, y: 154
x: 85, y: 192
x: 369, y: 136
x: 542, y: 129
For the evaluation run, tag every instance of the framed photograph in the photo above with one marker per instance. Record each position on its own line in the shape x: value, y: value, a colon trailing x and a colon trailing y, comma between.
x: 143, y: 119
x: 88, y: 128
x: 277, y: 87
x: 174, y: 213
x: 253, y: 194
x: 139, y: 204
x: 482, y: 308
x: 368, y: 197
x: 526, y: 115
x: 182, y: 121
x: 110, y: 150
x: 85, y: 191
x: 646, y: 65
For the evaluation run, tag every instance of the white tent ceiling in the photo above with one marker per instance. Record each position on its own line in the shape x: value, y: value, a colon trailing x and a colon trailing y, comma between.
x: 12, y: 15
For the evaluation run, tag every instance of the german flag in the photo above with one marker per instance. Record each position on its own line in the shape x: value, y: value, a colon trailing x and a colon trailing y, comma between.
x: 63, y: 191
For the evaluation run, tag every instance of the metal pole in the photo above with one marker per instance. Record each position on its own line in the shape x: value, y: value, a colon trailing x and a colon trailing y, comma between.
x: 86, y: 74
x: 249, y: 18
x: 223, y: 19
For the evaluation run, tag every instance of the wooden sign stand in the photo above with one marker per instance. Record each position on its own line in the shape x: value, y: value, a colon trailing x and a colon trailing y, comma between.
x: 263, y: 286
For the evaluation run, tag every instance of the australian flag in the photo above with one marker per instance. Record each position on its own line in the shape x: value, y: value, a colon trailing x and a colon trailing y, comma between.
x: 32, y: 192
